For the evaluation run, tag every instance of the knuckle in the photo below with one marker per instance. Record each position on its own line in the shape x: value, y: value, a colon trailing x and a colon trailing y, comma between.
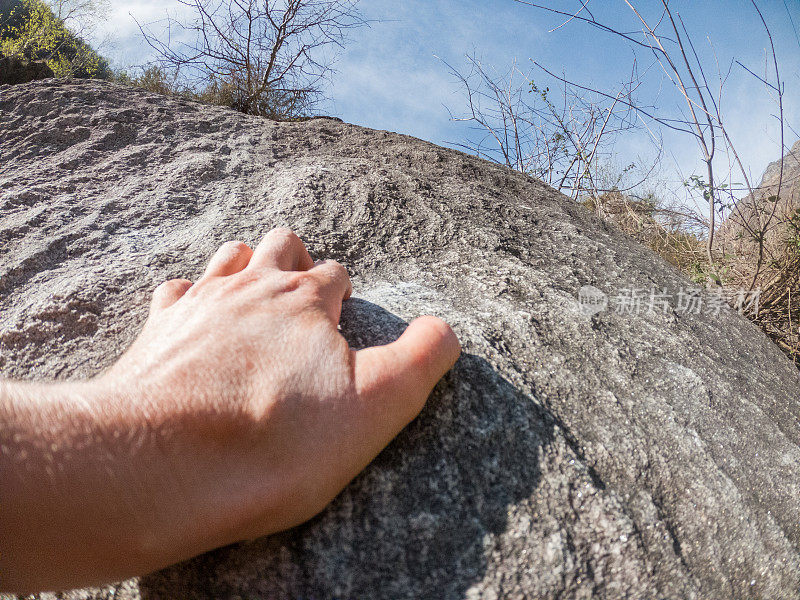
x: 283, y: 234
x: 334, y: 266
x: 171, y: 285
x: 334, y: 270
x: 308, y: 289
x: 234, y: 246
x: 241, y: 280
x: 296, y: 281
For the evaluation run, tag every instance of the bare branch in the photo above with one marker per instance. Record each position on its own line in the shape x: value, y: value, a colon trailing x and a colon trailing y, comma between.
x: 266, y: 58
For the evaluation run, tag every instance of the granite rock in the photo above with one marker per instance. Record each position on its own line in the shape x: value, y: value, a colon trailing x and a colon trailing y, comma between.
x: 644, y: 446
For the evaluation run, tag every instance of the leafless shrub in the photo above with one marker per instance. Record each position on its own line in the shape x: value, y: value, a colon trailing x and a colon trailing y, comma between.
x: 666, y: 38
x: 264, y: 57
x: 558, y: 135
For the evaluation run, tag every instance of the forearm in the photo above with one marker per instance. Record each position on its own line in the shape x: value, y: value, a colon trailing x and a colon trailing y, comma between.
x: 69, y: 513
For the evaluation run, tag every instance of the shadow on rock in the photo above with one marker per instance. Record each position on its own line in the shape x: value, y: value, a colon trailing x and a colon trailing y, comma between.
x: 415, y: 523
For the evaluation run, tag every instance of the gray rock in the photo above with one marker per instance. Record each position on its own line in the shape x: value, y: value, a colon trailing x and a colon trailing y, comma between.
x: 647, y: 455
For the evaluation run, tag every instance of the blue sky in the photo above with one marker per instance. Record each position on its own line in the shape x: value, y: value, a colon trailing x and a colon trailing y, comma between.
x: 389, y: 76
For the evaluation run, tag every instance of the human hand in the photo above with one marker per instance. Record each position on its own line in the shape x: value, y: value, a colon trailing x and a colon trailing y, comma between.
x: 240, y: 410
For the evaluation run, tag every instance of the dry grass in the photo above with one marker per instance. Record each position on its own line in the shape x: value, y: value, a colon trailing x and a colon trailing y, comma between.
x: 778, y: 312
x: 664, y: 231
x: 667, y: 232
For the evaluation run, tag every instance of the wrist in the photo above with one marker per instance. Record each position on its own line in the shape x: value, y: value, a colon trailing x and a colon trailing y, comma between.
x: 174, y: 448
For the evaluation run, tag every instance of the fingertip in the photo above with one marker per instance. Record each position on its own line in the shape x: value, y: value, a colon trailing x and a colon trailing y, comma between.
x: 411, y: 365
x: 434, y: 343
x: 396, y: 380
x: 168, y: 293
x: 230, y: 258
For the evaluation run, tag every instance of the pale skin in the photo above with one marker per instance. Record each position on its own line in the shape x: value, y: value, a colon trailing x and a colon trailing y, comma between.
x: 239, y: 411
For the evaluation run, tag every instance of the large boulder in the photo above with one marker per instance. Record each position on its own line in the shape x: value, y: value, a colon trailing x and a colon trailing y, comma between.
x: 578, y: 449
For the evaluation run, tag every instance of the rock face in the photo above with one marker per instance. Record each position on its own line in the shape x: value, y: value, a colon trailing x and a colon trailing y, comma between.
x: 791, y: 176
x: 622, y: 454
x: 734, y: 234
x: 14, y: 70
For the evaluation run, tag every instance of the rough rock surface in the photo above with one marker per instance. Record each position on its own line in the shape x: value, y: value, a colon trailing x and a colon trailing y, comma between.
x: 645, y: 455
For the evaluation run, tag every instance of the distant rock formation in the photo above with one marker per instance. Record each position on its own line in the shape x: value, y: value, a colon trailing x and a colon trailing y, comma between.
x: 773, y: 205
x: 643, y: 442
x: 791, y: 177
x: 14, y: 70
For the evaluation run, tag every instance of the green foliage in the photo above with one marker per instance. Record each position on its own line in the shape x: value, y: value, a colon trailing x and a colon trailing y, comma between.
x: 702, y: 272
x: 718, y: 192
x: 29, y: 29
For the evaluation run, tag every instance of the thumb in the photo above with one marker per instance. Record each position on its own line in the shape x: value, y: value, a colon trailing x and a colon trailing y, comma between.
x: 394, y: 380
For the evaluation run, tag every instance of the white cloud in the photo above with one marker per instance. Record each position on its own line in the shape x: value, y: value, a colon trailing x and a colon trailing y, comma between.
x: 119, y: 34
x: 388, y: 77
